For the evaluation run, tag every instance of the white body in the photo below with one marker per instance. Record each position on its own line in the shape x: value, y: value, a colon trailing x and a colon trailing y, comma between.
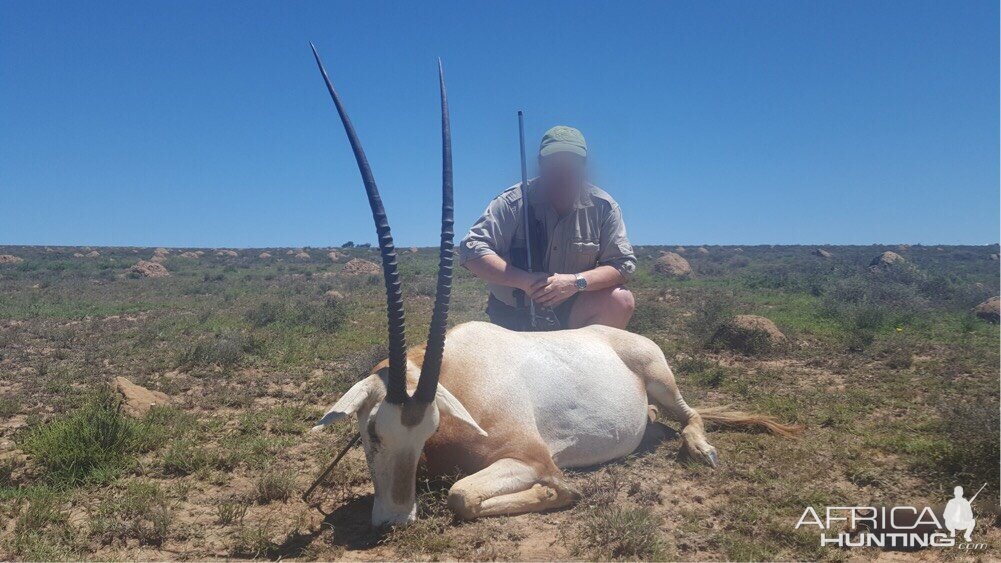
x: 514, y: 407
x: 586, y: 404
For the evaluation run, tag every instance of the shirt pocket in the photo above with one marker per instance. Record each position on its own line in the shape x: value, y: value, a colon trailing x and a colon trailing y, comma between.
x: 583, y: 255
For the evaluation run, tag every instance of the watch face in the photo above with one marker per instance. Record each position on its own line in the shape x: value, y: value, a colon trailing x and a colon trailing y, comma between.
x: 581, y: 283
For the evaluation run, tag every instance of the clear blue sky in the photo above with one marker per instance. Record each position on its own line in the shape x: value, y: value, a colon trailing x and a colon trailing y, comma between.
x: 206, y: 123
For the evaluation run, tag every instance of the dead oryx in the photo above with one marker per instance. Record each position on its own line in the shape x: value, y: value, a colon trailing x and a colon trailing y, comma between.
x: 508, y: 409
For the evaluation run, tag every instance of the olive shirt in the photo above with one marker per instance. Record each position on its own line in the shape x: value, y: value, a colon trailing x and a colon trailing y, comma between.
x: 592, y: 234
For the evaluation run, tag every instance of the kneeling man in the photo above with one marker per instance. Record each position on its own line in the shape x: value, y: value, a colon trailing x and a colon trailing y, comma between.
x: 581, y: 256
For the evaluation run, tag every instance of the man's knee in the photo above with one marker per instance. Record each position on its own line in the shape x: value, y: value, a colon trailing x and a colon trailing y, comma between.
x: 623, y: 301
x: 616, y: 304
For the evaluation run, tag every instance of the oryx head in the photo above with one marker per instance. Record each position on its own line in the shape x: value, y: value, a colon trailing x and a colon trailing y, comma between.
x: 394, y: 425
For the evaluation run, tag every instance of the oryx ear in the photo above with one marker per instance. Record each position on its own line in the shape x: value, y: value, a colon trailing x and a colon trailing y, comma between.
x: 350, y: 402
x: 448, y: 403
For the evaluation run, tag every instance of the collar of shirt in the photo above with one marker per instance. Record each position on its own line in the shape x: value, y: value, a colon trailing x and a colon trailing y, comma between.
x: 535, y: 195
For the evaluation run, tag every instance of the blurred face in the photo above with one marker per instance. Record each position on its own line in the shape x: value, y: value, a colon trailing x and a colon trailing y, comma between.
x: 563, y: 174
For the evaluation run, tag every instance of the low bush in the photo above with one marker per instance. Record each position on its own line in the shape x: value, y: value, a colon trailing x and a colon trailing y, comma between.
x: 712, y: 311
x: 702, y: 372
x: 91, y: 444
x: 225, y: 349
x: 973, y: 450
x: 327, y: 317
x: 866, y: 305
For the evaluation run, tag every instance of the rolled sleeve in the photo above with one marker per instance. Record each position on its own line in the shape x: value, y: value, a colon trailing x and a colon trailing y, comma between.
x: 491, y: 233
x: 616, y: 251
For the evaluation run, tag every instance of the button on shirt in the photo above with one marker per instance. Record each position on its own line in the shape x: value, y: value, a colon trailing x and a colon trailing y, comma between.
x: 592, y: 234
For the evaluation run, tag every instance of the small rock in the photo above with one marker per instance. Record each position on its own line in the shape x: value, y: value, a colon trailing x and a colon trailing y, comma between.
x: 334, y: 295
x: 10, y: 259
x: 702, y: 250
x: 989, y: 310
x: 264, y: 255
x: 138, y: 399
x: 302, y: 255
x: 886, y: 260
x: 822, y: 253
x: 225, y: 252
x: 359, y: 266
x: 148, y: 269
x: 334, y: 255
x: 680, y: 249
x: 672, y: 265
x: 749, y: 334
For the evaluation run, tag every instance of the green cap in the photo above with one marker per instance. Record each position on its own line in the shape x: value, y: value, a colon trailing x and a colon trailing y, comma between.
x: 563, y: 139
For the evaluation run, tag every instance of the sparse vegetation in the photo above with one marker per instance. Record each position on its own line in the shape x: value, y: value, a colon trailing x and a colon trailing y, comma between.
x: 274, y: 485
x: 712, y: 311
x: 616, y: 532
x: 892, y: 374
x: 91, y: 444
x: 140, y: 512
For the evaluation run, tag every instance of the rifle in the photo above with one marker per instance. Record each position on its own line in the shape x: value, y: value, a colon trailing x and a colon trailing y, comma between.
x: 547, y: 319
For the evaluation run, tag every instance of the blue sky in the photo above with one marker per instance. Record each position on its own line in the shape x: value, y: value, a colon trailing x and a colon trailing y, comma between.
x: 206, y: 124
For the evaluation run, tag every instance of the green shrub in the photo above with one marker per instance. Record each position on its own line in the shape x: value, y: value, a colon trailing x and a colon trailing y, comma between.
x: 93, y: 443
x: 973, y: 448
x: 184, y: 457
x: 866, y: 305
x: 327, y: 317
x: 702, y: 372
x: 712, y: 311
x: 649, y: 318
x: 224, y: 349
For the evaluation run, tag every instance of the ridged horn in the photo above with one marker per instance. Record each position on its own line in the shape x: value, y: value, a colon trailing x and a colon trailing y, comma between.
x: 431, y: 369
x: 396, y: 388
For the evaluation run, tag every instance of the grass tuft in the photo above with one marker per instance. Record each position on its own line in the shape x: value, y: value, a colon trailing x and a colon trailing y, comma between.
x: 91, y: 444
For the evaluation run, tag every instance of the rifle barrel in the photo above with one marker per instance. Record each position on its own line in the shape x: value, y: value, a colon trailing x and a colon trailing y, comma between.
x: 524, y: 208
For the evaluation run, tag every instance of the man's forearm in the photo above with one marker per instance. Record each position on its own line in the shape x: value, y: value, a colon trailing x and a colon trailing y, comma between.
x: 494, y: 269
x: 603, y: 277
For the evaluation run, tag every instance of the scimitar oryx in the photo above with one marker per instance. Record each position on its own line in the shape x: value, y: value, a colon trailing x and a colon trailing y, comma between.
x: 508, y: 409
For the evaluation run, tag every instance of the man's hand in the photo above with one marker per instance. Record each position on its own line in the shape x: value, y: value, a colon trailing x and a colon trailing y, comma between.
x: 530, y: 280
x: 553, y: 290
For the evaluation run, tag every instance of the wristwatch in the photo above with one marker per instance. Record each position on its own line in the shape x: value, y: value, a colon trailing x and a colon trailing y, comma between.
x: 581, y: 282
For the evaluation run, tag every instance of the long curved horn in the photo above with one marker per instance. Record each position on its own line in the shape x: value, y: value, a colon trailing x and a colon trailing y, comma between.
x: 396, y: 389
x: 430, y: 370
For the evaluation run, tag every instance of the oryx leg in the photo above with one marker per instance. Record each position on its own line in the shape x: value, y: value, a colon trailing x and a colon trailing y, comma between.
x: 662, y: 388
x: 509, y: 486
